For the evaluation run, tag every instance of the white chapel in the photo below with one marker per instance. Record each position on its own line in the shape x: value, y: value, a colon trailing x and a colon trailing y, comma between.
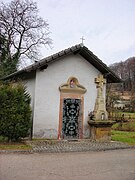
x: 63, y: 92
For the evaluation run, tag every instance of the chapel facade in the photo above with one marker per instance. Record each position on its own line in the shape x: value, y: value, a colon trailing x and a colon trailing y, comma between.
x: 63, y: 89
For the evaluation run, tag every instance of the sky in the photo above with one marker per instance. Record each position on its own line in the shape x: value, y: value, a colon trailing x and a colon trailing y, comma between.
x: 108, y: 26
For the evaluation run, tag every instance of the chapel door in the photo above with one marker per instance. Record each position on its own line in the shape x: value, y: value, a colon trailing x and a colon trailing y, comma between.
x: 71, y: 119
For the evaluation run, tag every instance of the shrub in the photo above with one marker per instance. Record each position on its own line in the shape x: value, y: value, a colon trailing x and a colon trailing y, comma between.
x: 15, y: 112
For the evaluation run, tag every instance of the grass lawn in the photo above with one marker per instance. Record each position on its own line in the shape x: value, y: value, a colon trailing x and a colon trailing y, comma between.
x: 4, y: 145
x: 124, y: 136
x: 16, y: 146
x: 127, y: 126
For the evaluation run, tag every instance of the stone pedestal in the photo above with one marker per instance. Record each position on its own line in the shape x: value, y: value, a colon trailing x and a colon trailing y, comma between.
x: 100, y: 130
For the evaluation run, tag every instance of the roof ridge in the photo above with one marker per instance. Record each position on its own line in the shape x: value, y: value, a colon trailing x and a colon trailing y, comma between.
x: 76, y: 49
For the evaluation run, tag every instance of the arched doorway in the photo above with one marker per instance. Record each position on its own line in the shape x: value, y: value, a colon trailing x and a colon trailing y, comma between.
x: 71, y: 109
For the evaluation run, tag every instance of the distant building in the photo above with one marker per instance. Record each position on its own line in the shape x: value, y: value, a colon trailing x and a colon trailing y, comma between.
x: 121, y: 104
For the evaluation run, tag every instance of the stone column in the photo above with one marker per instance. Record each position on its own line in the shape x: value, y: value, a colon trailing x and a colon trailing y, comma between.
x: 100, y: 112
x: 100, y: 126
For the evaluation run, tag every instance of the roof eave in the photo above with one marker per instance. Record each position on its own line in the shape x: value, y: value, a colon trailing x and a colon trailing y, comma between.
x: 77, y: 49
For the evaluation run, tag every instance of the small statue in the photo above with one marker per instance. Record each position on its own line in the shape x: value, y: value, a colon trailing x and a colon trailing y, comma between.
x: 91, y: 115
x: 72, y: 83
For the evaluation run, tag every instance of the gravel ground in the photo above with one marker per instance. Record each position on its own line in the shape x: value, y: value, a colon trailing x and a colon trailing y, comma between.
x: 70, y: 146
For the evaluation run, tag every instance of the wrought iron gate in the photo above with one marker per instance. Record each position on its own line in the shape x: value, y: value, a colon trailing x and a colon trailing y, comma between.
x: 71, y: 118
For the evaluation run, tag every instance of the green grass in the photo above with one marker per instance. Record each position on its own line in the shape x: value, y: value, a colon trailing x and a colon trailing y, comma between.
x: 127, y: 126
x: 4, y: 145
x: 124, y: 136
x: 15, y: 147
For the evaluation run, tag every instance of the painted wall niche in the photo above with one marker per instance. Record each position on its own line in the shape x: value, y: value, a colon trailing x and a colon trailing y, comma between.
x: 72, y: 86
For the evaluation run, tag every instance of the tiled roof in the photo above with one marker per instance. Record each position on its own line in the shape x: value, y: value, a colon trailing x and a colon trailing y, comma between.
x: 77, y: 49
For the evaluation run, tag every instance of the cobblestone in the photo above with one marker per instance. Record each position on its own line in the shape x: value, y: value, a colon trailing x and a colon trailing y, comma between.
x: 75, y: 146
x: 52, y: 146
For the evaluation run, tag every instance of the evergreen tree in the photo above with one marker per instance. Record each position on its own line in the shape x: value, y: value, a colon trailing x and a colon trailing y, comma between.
x: 15, y: 112
x: 7, y: 64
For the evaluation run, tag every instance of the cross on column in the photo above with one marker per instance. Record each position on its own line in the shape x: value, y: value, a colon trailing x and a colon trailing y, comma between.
x: 82, y: 38
x: 100, y: 81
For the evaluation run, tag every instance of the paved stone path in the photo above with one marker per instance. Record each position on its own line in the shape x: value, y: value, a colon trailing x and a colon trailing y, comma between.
x: 75, y: 146
x: 52, y: 146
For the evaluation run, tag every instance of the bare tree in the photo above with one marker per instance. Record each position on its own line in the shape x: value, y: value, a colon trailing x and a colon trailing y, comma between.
x: 130, y: 64
x: 126, y: 89
x: 23, y: 30
x: 126, y: 71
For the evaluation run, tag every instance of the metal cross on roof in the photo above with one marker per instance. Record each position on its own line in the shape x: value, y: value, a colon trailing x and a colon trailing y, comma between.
x: 82, y: 38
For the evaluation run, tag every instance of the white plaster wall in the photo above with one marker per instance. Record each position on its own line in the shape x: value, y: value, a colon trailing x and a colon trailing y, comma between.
x: 30, y: 84
x: 47, y: 95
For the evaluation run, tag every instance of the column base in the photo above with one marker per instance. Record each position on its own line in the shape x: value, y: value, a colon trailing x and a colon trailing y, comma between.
x: 100, y: 130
